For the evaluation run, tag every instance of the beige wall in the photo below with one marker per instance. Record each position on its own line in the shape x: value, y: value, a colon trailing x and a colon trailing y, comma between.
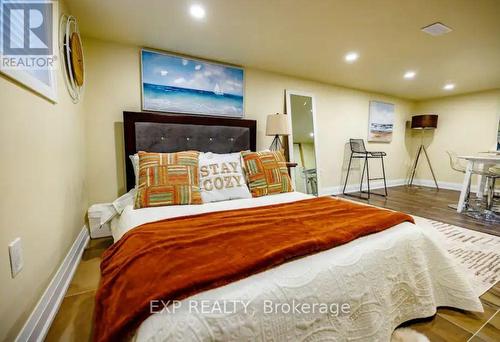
x: 42, y: 180
x: 341, y: 114
x: 114, y: 86
x: 467, y: 125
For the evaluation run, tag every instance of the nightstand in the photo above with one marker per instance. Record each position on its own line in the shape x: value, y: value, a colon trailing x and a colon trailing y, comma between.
x: 100, y: 216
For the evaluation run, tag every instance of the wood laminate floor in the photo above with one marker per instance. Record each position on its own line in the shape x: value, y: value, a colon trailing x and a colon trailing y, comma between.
x: 73, y: 322
x: 429, y: 203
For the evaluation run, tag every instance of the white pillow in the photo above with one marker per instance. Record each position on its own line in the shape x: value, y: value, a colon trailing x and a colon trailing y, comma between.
x: 221, y: 177
x: 134, y: 158
x: 125, y: 200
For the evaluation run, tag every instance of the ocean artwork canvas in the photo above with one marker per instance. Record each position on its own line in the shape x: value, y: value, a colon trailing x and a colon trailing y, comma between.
x: 381, y: 122
x: 179, y: 84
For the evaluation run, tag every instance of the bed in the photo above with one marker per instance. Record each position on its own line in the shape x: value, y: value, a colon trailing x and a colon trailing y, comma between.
x: 385, y: 279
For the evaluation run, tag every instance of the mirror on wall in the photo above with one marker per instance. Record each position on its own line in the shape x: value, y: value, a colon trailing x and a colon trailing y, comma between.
x: 302, y: 142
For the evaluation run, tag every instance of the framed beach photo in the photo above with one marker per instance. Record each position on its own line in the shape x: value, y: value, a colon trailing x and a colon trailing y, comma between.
x: 381, y: 122
x: 178, y: 84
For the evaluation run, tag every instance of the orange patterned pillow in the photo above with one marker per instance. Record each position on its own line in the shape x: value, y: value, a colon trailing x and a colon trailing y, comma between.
x: 267, y: 173
x: 168, y: 179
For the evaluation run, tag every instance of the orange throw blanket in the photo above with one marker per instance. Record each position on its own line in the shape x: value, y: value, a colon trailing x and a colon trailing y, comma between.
x: 176, y: 258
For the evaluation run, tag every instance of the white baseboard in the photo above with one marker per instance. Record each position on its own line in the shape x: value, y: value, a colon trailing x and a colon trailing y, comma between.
x: 38, y: 323
x: 443, y: 185
x: 336, y: 190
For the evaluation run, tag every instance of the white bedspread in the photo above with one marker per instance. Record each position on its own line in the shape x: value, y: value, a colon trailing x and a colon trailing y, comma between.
x: 386, y: 278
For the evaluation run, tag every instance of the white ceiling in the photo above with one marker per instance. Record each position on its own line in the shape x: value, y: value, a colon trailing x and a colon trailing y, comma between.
x: 309, y: 38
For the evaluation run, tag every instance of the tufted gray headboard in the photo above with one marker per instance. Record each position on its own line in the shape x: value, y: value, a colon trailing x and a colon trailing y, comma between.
x: 178, y: 132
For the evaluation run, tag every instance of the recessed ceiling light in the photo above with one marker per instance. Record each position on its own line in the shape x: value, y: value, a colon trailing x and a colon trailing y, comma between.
x: 311, y: 135
x: 409, y: 75
x: 197, y: 11
x: 449, y: 86
x: 351, y: 57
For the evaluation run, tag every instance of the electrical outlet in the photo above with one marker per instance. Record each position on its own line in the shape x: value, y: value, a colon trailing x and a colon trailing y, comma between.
x: 16, y: 257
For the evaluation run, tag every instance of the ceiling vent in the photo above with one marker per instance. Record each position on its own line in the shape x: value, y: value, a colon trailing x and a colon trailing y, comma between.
x: 436, y: 29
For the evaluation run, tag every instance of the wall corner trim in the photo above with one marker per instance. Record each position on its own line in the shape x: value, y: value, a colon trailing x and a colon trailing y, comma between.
x: 38, y: 323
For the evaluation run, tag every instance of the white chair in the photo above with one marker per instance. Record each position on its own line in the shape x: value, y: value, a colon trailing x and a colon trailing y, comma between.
x: 456, y: 165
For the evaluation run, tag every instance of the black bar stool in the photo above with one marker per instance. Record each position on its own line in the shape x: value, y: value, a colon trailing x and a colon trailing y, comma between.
x: 358, y: 151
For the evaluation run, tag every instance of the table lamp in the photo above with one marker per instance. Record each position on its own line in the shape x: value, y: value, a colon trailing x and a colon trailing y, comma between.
x: 277, y: 125
x: 423, y: 123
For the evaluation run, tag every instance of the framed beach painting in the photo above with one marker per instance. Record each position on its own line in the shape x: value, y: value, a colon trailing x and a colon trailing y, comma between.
x: 381, y: 121
x: 179, y: 84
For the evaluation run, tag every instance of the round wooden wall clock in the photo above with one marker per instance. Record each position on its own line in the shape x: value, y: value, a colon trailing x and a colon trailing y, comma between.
x: 71, y: 53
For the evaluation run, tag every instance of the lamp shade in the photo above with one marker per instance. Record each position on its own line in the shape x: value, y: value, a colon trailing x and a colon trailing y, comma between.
x: 277, y: 124
x: 426, y: 121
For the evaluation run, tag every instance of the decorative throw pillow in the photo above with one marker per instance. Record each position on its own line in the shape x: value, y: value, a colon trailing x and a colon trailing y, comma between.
x: 168, y: 179
x: 267, y: 173
x: 221, y: 177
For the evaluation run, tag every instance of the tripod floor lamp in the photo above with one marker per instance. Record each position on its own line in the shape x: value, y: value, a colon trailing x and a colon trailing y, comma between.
x: 423, y: 123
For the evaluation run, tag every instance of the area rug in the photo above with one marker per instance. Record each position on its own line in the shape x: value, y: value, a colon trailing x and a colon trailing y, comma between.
x: 477, y: 253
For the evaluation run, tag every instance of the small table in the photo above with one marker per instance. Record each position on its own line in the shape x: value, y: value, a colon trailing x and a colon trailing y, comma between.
x: 485, y: 161
x: 289, y: 165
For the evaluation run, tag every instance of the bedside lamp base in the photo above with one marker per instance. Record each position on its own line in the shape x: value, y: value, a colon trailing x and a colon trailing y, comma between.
x: 276, y: 145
